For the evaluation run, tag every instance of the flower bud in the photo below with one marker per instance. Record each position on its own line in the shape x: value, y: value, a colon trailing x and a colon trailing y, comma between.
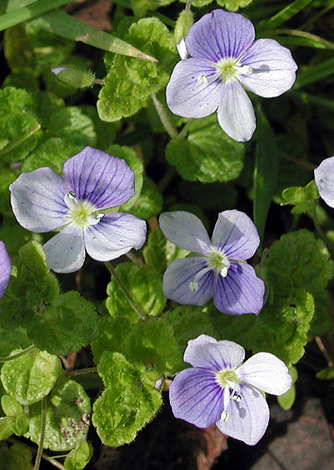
x: 74, y: 76
x: 183, y: 23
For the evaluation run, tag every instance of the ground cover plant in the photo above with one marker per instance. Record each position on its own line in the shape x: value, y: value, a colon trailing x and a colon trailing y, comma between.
x: 166, y: 212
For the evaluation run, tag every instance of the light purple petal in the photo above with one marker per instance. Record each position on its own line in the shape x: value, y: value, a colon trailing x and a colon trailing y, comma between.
x: 241, y: 291
x: 99, y: 178
x: 235, y: 234
x: 115, y: 235
x: 218, y: 35
x: 274, y: 70
x: 324, y: 180
x: 57, y: 70
x: 208, y: 353
x: 5, y: 268
x: 65, y: 252
x: 248, y: 418
x: 186, y: 231
x: 37, y: 200
x: 196, y: 397
x: 187, y: 96
x: 267, y: 373
x: 180, y: 273
x: 235, y: 113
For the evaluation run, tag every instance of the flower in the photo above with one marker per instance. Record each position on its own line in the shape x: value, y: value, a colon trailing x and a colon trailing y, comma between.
x: 5, y: 268
x: 220, y: 272
x: 77, y: 206
x: 224, y: 59
x: 220, y: 389
x: 324, y: 180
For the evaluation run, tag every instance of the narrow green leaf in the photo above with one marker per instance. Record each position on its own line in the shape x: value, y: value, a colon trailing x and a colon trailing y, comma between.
x: 28, y: 12
x: 315, y: 73
x: 265, y: 172
x: 68, y: 27
x: 285, y: 14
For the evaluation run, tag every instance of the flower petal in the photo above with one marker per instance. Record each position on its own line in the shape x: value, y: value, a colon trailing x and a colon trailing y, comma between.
x: 189, y: 93
x: 5, y: 268
x: 186, y: 231
x: 180, y: 273
x: 248, y: 418
x: 99, y: 178
x: 324, y: 180
x: 241, y: 291
x: 235, y: 234
x: 274, y: 70
x: 65, y: 252
x: 235, y: 113
x: 114, y: 235
x: 218, y: 35
x: 37, y: 200
x: 267, y: 373
x: 208, y: 353
x: 196, y: 397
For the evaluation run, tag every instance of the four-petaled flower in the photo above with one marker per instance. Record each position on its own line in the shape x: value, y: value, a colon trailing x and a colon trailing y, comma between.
x: 220, y: 271
x: 224, y: 59
x: 220, y: 389
x: 77, y: 205
x: 324, y: 180
x: 5, y: 268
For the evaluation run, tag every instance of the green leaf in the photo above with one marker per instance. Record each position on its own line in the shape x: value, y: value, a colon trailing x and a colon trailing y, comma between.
x: 149, y: 204
x: 234, y: 5
x: 315, y: 73
x: 7, y: 425
x: 144, y: 286
x: 10, y: 406
x: 303, y: 198
x: 67, y: 417
x: 114, y: 333
x: 16, y: 457
x: 67, y: 325
x: 286, y: 400
x: 265, y: 171
x: 72, y: 124
x: 326, y: 374
x: 79, y: 457
x: 130, y: 82
x: 134, y: 162
x: 285, y: 14
x: 140, y: 7
x: 129, y: 402
x: 30, y: 377
x: 207, y: 154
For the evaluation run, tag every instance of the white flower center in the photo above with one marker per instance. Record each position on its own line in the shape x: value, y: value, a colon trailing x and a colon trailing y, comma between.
x: 227, y: 70
x: 229, y: 381
x: 216, y: 261
x: 81, y: 213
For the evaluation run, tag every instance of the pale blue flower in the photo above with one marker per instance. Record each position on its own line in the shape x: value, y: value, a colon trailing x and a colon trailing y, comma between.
x: 220, y: 270
x: 224, y: 60
x: 5, y: 268
x: 221, y: 389
x: 78, y: 205
x: 324, y: 180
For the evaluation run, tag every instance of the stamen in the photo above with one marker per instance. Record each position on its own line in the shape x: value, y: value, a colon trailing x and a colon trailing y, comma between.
x: 202, y: 80
x: 244, y: 69
x: 193, y: 286
x: 225, y: 416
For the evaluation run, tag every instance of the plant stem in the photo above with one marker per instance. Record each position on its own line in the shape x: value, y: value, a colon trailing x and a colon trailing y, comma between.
x: 169, y: 127
x: 41, y: 438
x: 124, y: 289
x: 15, y: 356
x: 88, y: 370
x: 19, y: 141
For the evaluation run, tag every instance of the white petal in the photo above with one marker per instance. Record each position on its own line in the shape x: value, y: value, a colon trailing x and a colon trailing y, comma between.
x: 65, y: 252
x: 186, y: 231
x: 267, y: 373
x: 324, y: 180
x: 235, y: 113
x: 114, y: 235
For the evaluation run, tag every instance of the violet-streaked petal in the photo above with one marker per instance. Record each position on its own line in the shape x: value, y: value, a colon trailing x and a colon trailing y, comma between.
x: 114, y: 235
x: 267, y: 373
x: 65, y: 252
x: 208, y: 353
x: 248, y: 418
x: 190, y: 93
x: 235, y: 113
x: 196, y: 397
x: 178, y: 276
x: 186, y: 231
x: 218, y: 35
x: 324, y: 180
x: 5, y: 268
x: 240, y: 292
x: 99, y: 178
x: 273, y: 68
x: 37, y: 200
x: 235, y: 234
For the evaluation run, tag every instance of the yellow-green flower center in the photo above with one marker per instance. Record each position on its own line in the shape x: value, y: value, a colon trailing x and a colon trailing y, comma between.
x: 81, y: 213
x: 228, y: 378
x: 219, y: 262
